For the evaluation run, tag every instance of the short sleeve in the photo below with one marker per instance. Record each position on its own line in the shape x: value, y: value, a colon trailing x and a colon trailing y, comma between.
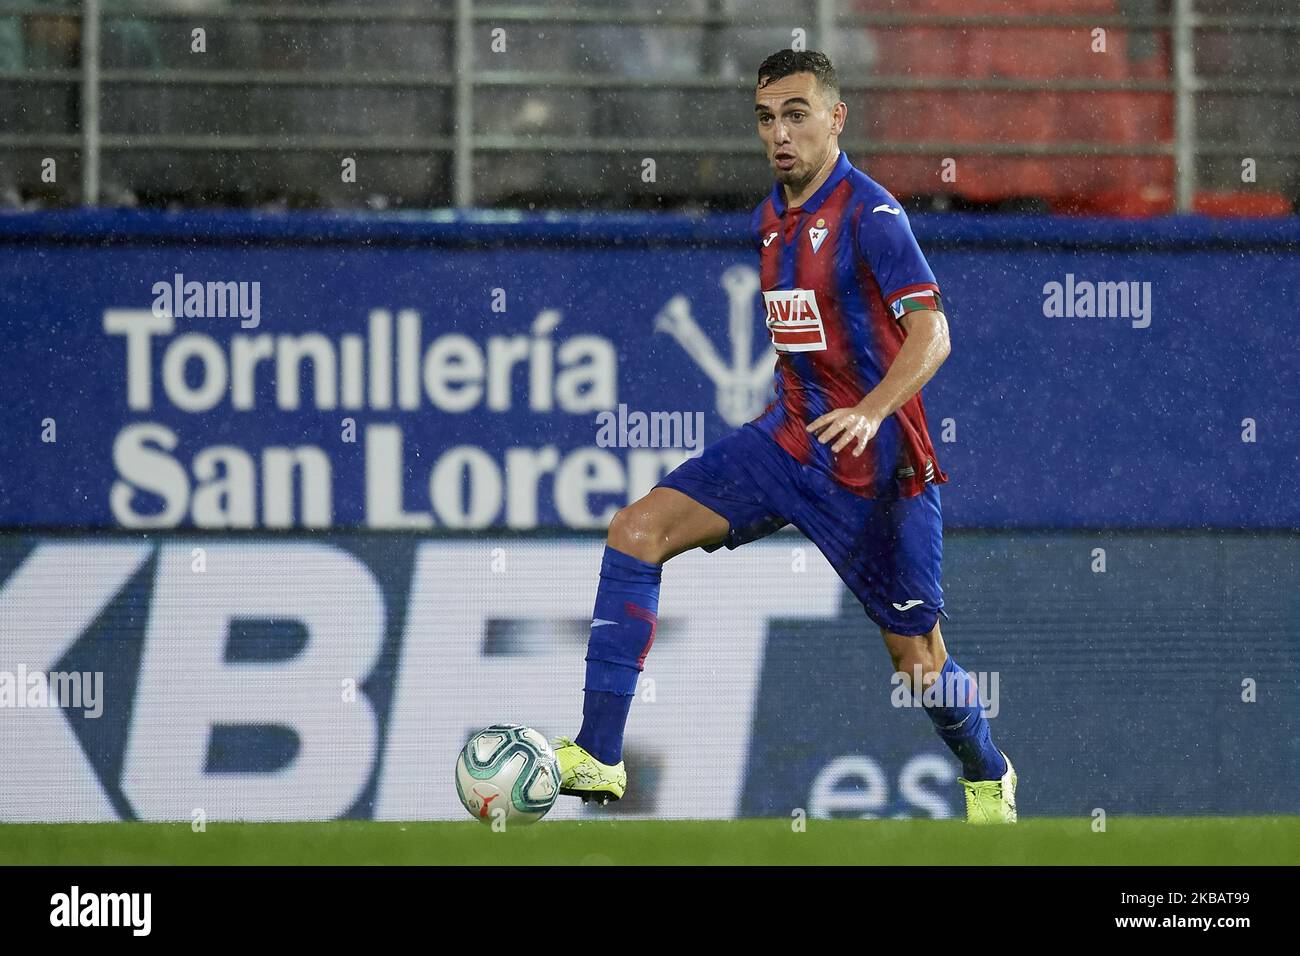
x: 886, y: 242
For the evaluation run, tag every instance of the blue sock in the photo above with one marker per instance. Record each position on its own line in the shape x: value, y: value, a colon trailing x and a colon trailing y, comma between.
x: 622, y: 630
x: 960, y: 721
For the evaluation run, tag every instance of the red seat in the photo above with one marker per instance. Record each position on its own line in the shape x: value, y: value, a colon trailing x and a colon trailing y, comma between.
x: 1119, y: 185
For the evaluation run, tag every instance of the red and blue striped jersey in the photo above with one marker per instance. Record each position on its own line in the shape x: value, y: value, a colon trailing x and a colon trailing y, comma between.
x: 837, y: 274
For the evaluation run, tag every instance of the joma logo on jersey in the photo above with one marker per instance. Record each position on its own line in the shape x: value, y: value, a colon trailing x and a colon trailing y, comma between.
x: 794, y: 320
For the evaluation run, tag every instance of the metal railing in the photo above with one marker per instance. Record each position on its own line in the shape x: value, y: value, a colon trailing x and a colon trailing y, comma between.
x: 467, y: 83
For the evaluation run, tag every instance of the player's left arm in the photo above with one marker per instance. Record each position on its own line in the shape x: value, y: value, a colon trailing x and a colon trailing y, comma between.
x: 922, y: 352
x: 885, y: 240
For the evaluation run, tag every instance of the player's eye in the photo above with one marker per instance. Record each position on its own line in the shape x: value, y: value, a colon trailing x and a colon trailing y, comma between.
x: 797, y: 116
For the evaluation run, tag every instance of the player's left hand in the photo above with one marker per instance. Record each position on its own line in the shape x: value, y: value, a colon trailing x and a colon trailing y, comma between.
x: 850, y: 424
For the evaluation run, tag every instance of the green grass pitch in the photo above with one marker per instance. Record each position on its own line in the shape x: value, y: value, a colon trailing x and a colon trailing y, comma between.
x: 1147, y: 841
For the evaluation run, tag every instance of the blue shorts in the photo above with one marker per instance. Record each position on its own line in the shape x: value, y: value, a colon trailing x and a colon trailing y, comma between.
x: 887, y: 551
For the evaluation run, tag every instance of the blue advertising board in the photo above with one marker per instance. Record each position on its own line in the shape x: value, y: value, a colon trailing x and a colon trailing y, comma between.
x: 489, y: 370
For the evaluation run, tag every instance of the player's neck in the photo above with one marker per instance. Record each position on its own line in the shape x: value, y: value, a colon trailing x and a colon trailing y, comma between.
x: 793, y: 200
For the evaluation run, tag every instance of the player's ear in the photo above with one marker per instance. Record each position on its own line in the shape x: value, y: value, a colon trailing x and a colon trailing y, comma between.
x: 838, y: 117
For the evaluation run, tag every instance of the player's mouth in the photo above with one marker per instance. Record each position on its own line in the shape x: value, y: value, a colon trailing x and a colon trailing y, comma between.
x: 785, y: 161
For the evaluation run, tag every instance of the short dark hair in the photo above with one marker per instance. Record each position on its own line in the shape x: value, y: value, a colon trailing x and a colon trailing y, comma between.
x: 784, y: 63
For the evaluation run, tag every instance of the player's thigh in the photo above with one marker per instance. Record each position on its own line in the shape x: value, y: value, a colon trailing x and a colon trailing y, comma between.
x: 664, y: 523
x: 889, y: 553
x: 729, y: 494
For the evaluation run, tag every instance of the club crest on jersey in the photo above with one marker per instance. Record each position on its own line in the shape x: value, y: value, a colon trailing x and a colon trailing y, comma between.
x: 794, y: 320
x: 817, y: 233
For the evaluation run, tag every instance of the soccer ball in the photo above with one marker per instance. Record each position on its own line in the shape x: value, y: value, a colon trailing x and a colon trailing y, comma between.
x: 510, y: 769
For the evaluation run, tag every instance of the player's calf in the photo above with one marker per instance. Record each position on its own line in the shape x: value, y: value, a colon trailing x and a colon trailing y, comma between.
x: 641, y: 537
x: 950, y: 696
x: 622, y: 633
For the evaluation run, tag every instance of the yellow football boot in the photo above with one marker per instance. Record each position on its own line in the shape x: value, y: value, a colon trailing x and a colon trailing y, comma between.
x: 582, y: 775
x: 991, y: 801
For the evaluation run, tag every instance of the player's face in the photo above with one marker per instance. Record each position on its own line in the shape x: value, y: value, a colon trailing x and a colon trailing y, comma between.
x: 797, y: 126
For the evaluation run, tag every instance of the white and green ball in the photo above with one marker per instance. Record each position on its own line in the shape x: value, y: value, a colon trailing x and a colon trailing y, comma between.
x: 511, y: 768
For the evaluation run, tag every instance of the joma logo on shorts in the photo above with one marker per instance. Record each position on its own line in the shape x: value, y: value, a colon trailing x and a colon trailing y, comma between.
x: 794, y: 320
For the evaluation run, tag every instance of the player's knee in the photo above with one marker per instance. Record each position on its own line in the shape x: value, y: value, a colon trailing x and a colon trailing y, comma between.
x: 922, y: 654
x: 640, y: 532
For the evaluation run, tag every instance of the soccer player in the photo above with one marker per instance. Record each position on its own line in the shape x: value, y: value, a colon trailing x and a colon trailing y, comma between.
x: 842, y: 453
